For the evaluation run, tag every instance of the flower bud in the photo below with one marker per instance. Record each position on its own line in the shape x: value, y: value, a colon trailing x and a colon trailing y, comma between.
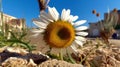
x: 98, y: 14
x: 94, y: 11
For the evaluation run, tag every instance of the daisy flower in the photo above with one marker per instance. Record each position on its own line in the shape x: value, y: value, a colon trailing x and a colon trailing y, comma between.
x: 60, y: 32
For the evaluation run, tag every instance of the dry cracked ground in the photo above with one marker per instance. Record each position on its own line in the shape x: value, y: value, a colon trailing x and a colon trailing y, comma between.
x: 94, y: 53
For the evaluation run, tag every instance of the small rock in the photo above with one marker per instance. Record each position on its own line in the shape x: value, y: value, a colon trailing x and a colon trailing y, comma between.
x: 14, y: 62
x: 16, y: 50
x: 31, y: 64
x: 116, y: 50
x: 117, y: 57
x: 58, y: 63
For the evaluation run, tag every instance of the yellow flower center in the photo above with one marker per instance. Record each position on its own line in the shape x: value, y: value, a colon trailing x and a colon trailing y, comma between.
x: 59, y: 34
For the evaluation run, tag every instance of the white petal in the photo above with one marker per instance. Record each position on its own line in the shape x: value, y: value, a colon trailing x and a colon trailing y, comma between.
x: 53, y: 13
x: 79, y: 22
x: 70, y: 18
x: 74, y: 47
x: 40, y: 24
x: 72, y: 23
x: 56, y: 13
x: 47, y: 16
x: 35, y: 35
x: 38, y: 31
x: 82, y: 33
x: 45, y: 19
x: 63, y: 14
x: 81, y: 28
x: 80, y: 38
x: 79, y: 42
x: 67, y: 14
x: 74, y: 18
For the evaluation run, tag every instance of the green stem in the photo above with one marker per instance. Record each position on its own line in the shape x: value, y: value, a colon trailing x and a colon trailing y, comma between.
x: 71, y: 59
x: 61, y: 54
x: 48, y: 52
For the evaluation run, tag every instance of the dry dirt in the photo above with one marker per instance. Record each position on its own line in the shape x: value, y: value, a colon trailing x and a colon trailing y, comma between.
x: 17, y: 57
x: 94, y: 53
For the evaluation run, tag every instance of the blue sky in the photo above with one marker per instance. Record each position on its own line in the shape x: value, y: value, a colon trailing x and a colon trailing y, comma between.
x: 29, y: 9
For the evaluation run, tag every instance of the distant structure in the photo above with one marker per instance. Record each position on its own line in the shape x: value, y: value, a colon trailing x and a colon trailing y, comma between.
x: 12, y: 22
x: 119, y: 17
x: 5, y: 18
x: 17, y: 23
x: 94, y: 27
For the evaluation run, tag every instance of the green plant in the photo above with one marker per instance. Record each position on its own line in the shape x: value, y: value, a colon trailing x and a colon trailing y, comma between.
x: 14, y: 37
x: 107, y: 25
x: 18, y: 39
